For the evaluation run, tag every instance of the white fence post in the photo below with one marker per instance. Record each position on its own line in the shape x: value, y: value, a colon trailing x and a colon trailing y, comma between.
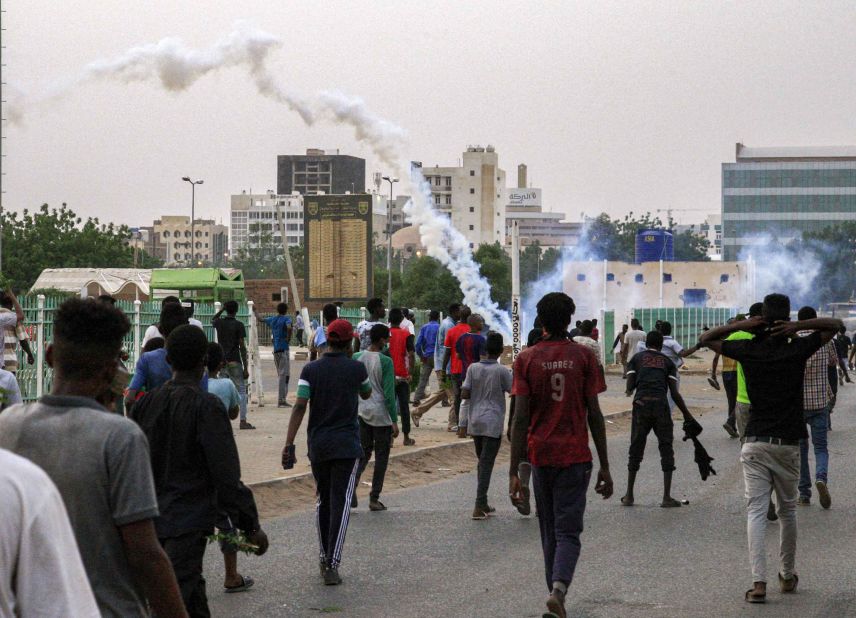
x: 217, y: 305
x: 255, y: 367
x: 40, y: 347
x: 137, y: 309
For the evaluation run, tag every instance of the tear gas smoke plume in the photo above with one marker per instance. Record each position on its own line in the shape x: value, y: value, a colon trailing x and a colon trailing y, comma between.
x: 175, y: 67
x: 778, y: 268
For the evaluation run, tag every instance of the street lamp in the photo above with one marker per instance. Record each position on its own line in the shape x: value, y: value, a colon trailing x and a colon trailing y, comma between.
x: 391, y: 181
x: 193, y: 184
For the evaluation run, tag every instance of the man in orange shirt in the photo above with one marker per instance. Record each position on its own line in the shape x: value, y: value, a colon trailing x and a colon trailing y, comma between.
x: 456, y: 366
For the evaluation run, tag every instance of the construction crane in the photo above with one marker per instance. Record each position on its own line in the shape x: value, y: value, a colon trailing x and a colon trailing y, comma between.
x: 669, y: 211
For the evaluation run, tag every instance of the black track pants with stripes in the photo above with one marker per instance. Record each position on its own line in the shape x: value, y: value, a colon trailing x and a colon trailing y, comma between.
x: 335, y: 480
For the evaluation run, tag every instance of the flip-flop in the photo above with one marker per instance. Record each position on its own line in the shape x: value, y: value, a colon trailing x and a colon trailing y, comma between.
x: 246, y: 583
x: 754, y: 598
x: 628, y: 503
x: 713, y: 383
x: 670, y: 505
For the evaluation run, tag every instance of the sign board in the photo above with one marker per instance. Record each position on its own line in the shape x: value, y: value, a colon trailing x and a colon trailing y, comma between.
x: 337, y: 234
x: 523, y: 198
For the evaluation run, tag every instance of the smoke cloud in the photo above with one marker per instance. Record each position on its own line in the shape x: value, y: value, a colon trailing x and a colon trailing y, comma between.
x: 777, y: 268
x: 175, y: 67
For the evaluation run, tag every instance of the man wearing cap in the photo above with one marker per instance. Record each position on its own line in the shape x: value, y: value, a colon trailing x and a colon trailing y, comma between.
x: 331, y: 385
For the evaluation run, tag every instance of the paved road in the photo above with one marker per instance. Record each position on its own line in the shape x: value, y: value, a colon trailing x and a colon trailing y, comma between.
x: 425, y: 557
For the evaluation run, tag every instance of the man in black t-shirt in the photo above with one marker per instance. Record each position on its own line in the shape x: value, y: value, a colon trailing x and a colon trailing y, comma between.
x: 231, y: 335
x: 330, y: 387
x: 653, y: 376
x: 842, y: 347
x: 774, y: 365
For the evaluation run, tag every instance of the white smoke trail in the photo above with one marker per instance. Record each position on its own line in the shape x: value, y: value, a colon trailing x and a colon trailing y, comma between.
x: 176, y: 67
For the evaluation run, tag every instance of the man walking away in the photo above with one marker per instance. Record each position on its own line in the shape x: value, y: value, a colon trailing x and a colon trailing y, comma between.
x: 232, y: 335
x: 330, y: 313
x: 585, y: 338
x: 535, y: 334
x: 280, y: 328
x: 425, y: 344
x: 471, y: 346
x: 622, y: 350
x: 362, y: 336
x: 817, y: 395
x: 331, y: 385
x: 483, y: 395
x: 653, y: 376
x: 633, y: 338
x: 407, y: 321
x: 298, y: 327
x: 451, y: 358
x: 842, y: 347
x: 444, y: 393
x: 378, y: 416
x: 195, y: 465
x: 595, y: 334
x: 403, y: 354
x: 10, y: 392
x: 729, y: 383
x: 774, y: 363
x: 555, y: 388
x: 103, y: 474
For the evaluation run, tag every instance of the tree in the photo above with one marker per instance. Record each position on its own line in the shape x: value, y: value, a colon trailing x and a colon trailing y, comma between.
x: 58, y: 238
x: 426, y: 284
x: 495, y: 266
x: 615, y: 239
x: 262, y: 257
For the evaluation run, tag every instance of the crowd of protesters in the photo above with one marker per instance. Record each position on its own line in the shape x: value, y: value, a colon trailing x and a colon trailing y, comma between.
x: 130, y: 504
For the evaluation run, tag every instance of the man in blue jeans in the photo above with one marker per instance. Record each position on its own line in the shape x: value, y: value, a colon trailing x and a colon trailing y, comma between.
x: 555, y: 385
x: 817, y: 395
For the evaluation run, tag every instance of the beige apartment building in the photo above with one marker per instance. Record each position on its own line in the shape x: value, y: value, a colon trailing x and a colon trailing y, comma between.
x: 209, y: 246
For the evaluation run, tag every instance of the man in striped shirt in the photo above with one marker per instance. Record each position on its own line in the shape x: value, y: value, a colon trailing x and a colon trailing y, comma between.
x: 817, y: 393
x: 14, y: 334
x: 331, y: 386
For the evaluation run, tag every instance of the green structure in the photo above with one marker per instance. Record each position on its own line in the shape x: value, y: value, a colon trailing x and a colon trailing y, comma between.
x: 206, y: 285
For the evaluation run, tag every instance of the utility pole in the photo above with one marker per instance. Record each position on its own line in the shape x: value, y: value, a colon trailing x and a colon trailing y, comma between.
x: 515, y: 290
x: 391, y: 182
x: 193, y: 184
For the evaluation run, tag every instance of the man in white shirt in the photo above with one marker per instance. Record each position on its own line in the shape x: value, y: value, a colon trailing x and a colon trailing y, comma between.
x: 585, y: 338
x: 42, y: 574
x: 633, y: 338
x: 407, y: 322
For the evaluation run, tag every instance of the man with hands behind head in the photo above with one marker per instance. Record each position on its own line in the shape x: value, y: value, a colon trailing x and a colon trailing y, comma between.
x: 774, y: 364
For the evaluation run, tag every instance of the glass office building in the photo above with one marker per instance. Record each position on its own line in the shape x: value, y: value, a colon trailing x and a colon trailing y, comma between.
x: 782, y: 192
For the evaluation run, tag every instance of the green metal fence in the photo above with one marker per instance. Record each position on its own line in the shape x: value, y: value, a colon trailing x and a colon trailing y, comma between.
x: 607, y: 335
x: 38, y: 321
x: 687, y: 322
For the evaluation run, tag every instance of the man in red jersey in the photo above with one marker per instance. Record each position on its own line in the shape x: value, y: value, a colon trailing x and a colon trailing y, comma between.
x: 456, y: 366
x: 402, y: 350
x: 555, y: 387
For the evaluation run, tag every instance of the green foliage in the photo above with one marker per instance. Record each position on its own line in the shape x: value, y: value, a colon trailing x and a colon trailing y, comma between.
x: 495, y: 266
x: 58, y: 238
x: 426, y: 284
x: 615, y: 239
x: 263, y: 257
x: 239, y: 540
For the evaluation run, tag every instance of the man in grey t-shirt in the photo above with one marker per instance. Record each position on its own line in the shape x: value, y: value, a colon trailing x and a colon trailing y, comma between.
x: 99, y: 461
x: 483, y: 413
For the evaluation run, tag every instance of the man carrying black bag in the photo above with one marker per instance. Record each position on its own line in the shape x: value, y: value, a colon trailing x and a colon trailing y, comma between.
x: 653, y: 376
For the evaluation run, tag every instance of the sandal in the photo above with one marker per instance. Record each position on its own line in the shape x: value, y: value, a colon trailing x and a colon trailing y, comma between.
x: 670, y: 503
x: 246, y: 583
x: 751, y: 597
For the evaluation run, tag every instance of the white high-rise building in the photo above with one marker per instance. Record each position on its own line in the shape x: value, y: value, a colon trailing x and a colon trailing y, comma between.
x: 253, y: 218
x: 472, y: 195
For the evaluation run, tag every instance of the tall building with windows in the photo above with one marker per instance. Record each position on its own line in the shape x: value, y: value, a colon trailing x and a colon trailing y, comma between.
x: 254, y: 224
x: 320, y: 171
x: 710, y: 229
x: 179, y: 248
x: 783, y: 192
x: 471, y: 194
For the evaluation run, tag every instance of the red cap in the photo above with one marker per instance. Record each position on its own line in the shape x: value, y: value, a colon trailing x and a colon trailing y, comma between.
x: 340, y: 330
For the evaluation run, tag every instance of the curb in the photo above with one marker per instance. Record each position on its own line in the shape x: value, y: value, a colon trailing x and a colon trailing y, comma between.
x: 412, y: 454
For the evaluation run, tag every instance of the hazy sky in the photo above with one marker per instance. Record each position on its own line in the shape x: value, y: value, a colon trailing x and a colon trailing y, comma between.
x: 613, y: 106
